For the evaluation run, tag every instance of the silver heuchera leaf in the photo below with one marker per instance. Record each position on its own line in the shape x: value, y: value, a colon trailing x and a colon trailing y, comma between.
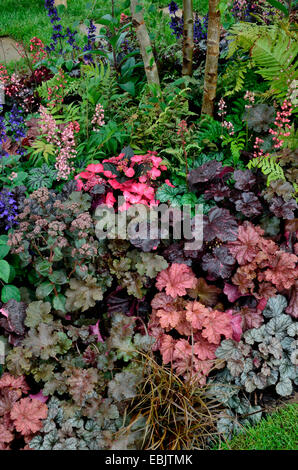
x: 275, y: 306
x: 260, y: 381
x: 293, y: 329
x: 50, y: 440
x: 226, y: 349
x: 278, y: 326
x: 287, y: 370
x: 263, y: 348
x: 287, y: 343
x: 294, y: 360
x: 249, y: 383
x: 255, y: 414
x: 265, y: 370
x: 255, y: 335
x: 284, y: 387
x: 36, y: 443
x: 248, y: 365
x: 272, y: 379
x: 228, y: 425
x: 235, y: 366
x: 275, y: 348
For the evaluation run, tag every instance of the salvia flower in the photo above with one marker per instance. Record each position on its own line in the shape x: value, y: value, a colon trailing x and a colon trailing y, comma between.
x: 17, y: 123
x: 8, y: 209
x: 90, y: 43
x: 57, y: 28
x: 173, y: 7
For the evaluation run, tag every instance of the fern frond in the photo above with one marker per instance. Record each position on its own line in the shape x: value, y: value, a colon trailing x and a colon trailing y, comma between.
x: 269, y: 166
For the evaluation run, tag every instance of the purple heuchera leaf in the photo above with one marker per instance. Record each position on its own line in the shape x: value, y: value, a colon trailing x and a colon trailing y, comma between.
x: 232, y: 292
x: 206, y: 172
x: 15, y: 313
x: 236, y: 321
x: 282, y: 209
x: 220, y: 224
x: 249, y: 205
x: 292, y: 308
x: 220, y: 263
x: 217, y: 191
x: 244, y: 180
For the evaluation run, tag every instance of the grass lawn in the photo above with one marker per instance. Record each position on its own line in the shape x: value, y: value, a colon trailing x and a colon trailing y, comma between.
x: 279, y: 431
x: 23, y: 19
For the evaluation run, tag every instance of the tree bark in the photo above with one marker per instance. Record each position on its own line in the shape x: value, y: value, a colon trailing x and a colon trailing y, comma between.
x: 187, y: 37
x: 213, y: 37
x: 145, y: 43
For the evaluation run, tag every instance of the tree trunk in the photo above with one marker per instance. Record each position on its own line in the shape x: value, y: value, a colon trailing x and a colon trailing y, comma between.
x: 187, y: 37
x: 61, y: 2
x: 210, y: 79
x: 145, y: 43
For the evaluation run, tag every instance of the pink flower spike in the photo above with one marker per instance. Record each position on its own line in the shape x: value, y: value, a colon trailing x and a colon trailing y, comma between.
x: 94, y: 330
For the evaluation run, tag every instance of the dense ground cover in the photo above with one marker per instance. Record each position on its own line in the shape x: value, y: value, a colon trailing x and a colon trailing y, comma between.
x: 142, y: 338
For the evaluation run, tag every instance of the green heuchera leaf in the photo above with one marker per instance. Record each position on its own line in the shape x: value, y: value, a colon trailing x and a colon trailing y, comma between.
x: 64, y: 343
x: 151, y: 265
x: 83, y: 294
x: 38, y: 312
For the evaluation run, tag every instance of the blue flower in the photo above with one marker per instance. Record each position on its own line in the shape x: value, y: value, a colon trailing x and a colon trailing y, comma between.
x: 90, y: 43
x: 17, y: 123
x: 8, y: 209
x: 173, y: 7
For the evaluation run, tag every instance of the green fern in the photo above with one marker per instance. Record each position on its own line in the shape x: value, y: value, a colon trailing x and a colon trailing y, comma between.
x: 210, y: 131
x: 234, y: 76
x: 269, y: 166
x: 273, y: 51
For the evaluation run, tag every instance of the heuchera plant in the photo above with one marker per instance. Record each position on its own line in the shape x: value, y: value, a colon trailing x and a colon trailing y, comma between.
x: 264, y: 268
x: 188, y: 332
x: 20, y: 415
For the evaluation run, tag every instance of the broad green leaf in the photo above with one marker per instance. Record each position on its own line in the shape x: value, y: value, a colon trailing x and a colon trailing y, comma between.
x: 4, y: 250
x: 10, y: 292
x: 59, y: 302
x: 44, y: 290
x: 4, y: 270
